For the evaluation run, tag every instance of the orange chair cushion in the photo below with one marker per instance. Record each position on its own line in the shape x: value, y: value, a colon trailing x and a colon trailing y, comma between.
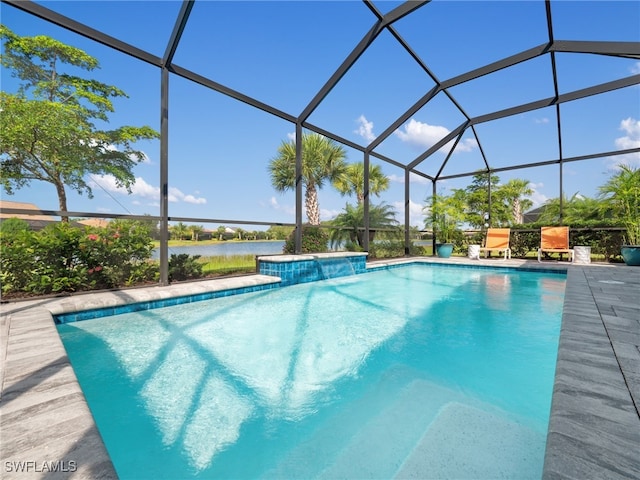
x: 497, y: 238
x: 554, y: 238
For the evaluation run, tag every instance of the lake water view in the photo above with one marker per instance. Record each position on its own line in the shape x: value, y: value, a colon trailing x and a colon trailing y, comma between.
x: 227, y: 249
x: 230, y: 248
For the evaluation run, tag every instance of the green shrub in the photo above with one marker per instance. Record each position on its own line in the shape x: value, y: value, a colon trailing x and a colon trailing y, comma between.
x: 393, y: 249
x: 184, y: 267
x: 12, y: 226
x: 523, y: 242
x: 17, y: 260
x: 603, y: 240
x: 64, y: 258
x: 314, y: 240
x: 118, y: 255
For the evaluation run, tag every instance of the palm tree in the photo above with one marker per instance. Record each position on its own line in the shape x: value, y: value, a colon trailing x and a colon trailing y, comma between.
x: 322, y: 160
x: 576, y: 209
x: 179, y: 231
x: 445, y: 214
x: 621, y: 195
x: 195, y: 230
x: 350, y: 224
x: 513, y: 194
x: 351, y: 182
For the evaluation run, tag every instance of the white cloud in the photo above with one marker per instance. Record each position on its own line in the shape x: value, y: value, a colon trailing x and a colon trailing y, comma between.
x: 416, y: 214
x: 112, y: 148
x: 291, y: 136
x: 141, y: 188
x: 631, y: 139
x: 192, y: 199
x: 635, y: 68
x: 425, y: 136
x: 465, y: 145
x: 538, y: 198
x: 365, y: 129
x: 326, y: 214
x: 541, y: 120
x: 273, y: 203
x: 145, y: 159
x: 421, y: 134
x: 413, y: 178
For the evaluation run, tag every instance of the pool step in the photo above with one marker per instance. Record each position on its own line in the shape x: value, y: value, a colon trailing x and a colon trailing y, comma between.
x: 379, y: 447
x: 414, y: 428
x: 468, y: 442
x: 396, y: 392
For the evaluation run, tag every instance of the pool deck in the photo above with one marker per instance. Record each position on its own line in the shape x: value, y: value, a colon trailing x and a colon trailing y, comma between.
x: 47, y: 430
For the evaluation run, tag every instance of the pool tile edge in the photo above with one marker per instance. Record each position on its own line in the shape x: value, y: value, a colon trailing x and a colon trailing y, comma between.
x: 25, y: 389
x: 591, y: 422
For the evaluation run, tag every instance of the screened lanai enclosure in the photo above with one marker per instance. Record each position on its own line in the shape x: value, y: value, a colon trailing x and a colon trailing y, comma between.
x: 431, y: 92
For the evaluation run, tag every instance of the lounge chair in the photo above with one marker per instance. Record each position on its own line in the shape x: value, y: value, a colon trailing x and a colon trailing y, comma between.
x: 497, y: 239
x: 554, y: 240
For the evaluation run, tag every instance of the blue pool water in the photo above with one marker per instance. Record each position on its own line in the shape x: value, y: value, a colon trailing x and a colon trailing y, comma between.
x: 412, y: 372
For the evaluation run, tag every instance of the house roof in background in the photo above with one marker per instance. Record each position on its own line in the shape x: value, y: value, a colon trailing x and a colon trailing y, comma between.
x: 4, y: 204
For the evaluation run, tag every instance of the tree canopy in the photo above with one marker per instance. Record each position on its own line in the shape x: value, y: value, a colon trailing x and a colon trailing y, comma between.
x: 509, y: 201
x: 621, y: 194
x: 48, y: 128
x: 350, y: 224
x: 322, y: 160
x: 351, y: 182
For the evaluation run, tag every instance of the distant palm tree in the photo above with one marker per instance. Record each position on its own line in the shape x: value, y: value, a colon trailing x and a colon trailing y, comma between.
x: 350, y: 224
x: 179, y: 231
x: 195, y: 230
x: 322, y: 160
x: 351, y: 182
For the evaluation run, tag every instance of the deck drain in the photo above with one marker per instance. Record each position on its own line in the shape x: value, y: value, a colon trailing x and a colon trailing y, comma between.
x: 611, y: 282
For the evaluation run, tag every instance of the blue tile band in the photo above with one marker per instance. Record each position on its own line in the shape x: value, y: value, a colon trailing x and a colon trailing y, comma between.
x: 167, y: 302
x: 312, y: 270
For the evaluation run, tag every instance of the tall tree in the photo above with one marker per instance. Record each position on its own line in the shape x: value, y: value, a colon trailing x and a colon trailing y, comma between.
x: 196, y: 231
x: 351, y: 182
x: 478, y: 199
x: 513, y: 196
x: 47, y: 130
x: 445, y: 214
x: 322, y: 160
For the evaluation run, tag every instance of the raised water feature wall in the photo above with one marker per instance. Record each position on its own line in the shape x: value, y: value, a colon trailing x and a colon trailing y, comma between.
x: 293, y: 269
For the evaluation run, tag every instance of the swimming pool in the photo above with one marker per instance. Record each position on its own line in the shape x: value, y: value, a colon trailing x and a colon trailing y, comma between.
x: 407, y: 372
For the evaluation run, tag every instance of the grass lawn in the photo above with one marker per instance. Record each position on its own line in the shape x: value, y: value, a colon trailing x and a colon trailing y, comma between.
x: 221, y: 265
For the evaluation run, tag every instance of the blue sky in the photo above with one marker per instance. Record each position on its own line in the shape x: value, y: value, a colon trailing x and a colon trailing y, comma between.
x: 282, y: 53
